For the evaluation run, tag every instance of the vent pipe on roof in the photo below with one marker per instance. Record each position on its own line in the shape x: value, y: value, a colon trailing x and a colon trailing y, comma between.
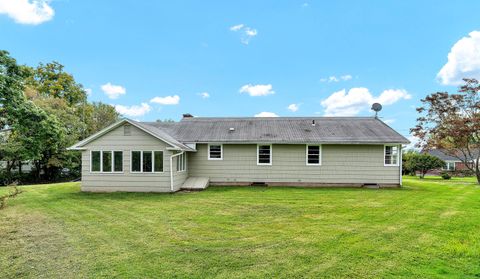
x: 313, y: 122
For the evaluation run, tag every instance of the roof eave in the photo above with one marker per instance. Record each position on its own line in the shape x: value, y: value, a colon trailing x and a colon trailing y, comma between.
x: 79, y: 145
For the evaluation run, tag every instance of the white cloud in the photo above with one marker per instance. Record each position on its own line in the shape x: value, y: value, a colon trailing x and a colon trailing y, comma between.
x: 167, y: 100
x: 26, y: 11
x: 358, y: 99
x: 236, y: 27
x: 133, y: 111
x: 204, y: 95
x: 413, y: 141
x: 336, y: 79
x: 389, y: 121
x: 463, y: 61
x: 391, y: 96
x: 113, y: 91
x: 266, y: 114
x: 304, y: 5
x: 88, y: 91
x: 257, y: 90
x: 247, y: 33
x: 293, y: 107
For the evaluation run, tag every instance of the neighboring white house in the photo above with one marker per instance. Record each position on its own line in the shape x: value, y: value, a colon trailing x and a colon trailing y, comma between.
x: 280, y: 151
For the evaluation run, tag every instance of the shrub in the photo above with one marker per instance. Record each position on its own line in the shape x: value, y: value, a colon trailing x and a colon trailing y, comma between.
x: 445, y: 175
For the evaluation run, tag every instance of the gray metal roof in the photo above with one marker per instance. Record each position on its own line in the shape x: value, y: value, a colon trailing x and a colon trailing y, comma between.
x: 341, y: 130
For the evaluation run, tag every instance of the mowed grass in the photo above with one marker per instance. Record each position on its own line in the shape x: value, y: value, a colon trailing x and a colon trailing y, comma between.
x: 429, y: 228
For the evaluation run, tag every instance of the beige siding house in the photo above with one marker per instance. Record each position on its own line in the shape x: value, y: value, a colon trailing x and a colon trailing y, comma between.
x: 164, y: 157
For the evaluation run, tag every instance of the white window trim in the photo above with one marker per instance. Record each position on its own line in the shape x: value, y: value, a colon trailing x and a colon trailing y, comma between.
x: 221, y: 152
x: 450, y: 162
x: 184, y: 155
x: 101, y: 161
x: 153, y: 161
x: 271, y: 155
x: 141, y: 161
x: 319, y: 155
x: 398, y: 155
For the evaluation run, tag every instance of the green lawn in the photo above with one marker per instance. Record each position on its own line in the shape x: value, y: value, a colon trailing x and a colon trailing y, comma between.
x: 429, y: 228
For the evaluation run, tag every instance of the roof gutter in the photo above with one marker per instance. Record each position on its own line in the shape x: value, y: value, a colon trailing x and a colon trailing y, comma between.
x: 171, y: 168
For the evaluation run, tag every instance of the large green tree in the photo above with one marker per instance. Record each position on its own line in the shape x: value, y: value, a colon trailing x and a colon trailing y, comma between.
x: 451, y: 122
x: 43, y: 110
x: 36, y: 134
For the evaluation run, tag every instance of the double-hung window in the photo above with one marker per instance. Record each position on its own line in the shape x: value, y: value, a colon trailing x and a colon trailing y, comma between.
x: 147, y: 161
x: 182, y: 162
x: 314, y: 153
x: 264, y: 154
x: 215, y: 152
x: 391, y: 155
x: 450, y: 166
x: 106, y: 161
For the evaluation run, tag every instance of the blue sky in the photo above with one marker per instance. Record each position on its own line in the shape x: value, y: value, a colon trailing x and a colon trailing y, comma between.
x: 287, y: 58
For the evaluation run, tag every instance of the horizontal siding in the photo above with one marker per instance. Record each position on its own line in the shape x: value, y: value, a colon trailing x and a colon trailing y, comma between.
x: 126, y: 181
x: 340, y: 164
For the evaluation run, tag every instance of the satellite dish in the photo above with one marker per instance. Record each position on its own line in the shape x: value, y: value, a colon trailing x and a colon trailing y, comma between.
x: 376, y: 107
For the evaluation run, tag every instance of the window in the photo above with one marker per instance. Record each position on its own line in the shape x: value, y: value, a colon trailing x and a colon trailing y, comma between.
x: 391, y: 155
x: 264, y: 154
x: 118, y: 161
x: 95, y: 164
x: 107, y: 161
x: 158, y: 161
x: 215, y: 152
x: 147, y: 161
x: 450, y: 166
x: 136, y: 161
x: 313, y: 154
x: 182, y: 162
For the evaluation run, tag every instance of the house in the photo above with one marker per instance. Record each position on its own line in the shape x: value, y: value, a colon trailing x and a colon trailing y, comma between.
x: 452, y: 163
x: 281, y: 151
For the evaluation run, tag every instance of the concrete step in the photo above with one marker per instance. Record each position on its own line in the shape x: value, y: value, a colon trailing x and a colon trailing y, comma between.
x: 195, y: 183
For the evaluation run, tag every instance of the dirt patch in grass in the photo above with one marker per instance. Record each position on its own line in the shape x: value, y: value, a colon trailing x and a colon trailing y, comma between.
x: 33, y: 246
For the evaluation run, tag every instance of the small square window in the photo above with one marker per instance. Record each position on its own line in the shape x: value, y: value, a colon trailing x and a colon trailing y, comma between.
x: 215, y: 152
x: 391, y: 155
x: 264, y: 154
x: 313, y: 154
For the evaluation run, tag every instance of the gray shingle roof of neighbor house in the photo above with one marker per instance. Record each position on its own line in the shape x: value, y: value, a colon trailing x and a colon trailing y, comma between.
x: 339, y: 130
x: 440, y: 153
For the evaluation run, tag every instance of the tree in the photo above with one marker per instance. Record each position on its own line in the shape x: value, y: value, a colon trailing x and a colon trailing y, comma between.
x: 36, y: 134
x: 407, y: 167
x: 97, y: 116
x: 51, y: 80
x: 57, y: 93
x: 423, y: 163
x: 43, y: 110
x: 451, y: 122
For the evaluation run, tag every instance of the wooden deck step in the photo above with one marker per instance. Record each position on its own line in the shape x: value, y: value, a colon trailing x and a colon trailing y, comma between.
x: 195, y: 183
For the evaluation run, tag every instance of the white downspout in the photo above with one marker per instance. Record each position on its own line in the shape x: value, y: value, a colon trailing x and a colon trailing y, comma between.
x: 171, y: 168
x: 401, y: 165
